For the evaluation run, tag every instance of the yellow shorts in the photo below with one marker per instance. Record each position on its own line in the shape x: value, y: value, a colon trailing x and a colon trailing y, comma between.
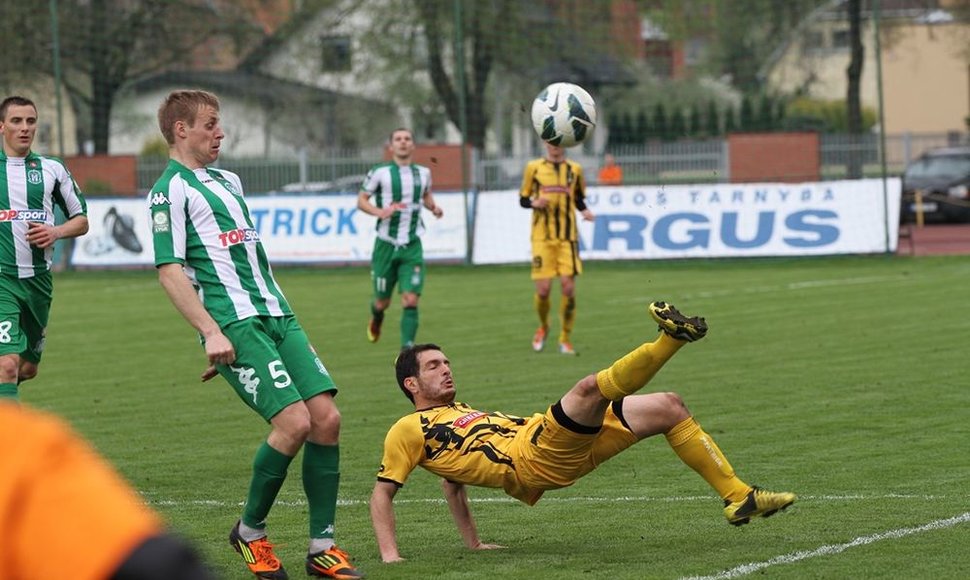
x: 552, y: 259
x: 550, y: 456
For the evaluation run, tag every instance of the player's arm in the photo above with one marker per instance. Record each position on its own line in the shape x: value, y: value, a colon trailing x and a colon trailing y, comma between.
x: 457, y: 500
x: 179, y: 289
x: 364, y: 204
x: 382, y: 518
x: 429, y: 203
x: 44, y: 235
x: 68, y: 197
x: 580, y: 196
x: 528, y: 196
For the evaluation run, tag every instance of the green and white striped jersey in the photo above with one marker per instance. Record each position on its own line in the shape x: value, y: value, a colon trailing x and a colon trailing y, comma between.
x: 29, y: 188
x: 200, y: 220
x: 389, y: 184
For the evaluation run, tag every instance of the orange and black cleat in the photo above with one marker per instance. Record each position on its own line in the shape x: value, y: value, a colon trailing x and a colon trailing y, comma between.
x: 332, y: 563
x: 259, y: 556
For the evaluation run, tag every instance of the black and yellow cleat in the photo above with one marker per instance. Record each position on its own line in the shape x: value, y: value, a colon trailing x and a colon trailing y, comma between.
x: 758, y: 502
x: 332, y: 563
x: 675, y: 324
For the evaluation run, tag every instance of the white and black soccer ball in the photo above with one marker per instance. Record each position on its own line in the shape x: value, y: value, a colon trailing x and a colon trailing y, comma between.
x: 564, y: 114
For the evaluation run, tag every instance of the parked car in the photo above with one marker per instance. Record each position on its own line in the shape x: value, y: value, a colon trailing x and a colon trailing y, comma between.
x: 942, y: 176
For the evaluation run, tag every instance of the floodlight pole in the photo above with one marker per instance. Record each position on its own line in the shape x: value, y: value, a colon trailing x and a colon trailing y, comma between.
x: 882, y: 119
x: 463, y: 121
x: 56, y: 53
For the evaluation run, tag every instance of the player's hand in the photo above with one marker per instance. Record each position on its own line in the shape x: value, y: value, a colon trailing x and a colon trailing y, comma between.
x: 390, y: 210
x: 219, y: 350
x: 588, y: 215
x: 437, y: 212
x: 209, y: 373
x: 539, y: 203
x: 392, y: 560
x: 41, y: 235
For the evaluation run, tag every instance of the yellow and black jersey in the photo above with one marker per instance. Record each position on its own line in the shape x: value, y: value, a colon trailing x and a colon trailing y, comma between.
x: 457, y: 443
x: 563, y: 186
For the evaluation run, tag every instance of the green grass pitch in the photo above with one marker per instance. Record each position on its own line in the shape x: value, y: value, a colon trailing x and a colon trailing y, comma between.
x: 842, y: 379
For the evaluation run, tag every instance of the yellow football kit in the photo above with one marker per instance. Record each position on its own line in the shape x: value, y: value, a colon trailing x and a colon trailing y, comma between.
x: 554, y: 237
x: 523, y: 456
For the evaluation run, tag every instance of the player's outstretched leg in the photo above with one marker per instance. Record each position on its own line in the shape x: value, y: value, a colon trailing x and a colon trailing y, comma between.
x: 630, y: 373
x: 758, y: 502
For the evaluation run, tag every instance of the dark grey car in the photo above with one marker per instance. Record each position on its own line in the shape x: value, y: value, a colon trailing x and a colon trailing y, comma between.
x: 942, y: 176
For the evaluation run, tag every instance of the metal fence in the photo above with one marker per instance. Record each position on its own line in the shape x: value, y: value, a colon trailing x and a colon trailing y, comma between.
x: 680, y: 162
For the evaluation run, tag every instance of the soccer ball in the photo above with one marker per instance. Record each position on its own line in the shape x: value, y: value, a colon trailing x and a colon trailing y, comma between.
x: 564, y: 114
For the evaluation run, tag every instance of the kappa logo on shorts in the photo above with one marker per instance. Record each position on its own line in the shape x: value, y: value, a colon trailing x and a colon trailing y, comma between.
x: 247, y: 376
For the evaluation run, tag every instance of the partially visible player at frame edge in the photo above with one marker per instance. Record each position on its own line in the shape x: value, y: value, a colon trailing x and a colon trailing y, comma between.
x: 213, y: 267
x: 394, y: 192
x: 30, y: 186
x: 598, y: 418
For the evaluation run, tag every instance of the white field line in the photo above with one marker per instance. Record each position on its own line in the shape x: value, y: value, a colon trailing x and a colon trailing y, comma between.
x: 827, y: 550
x: 545, y: 500
x: 836, y: 282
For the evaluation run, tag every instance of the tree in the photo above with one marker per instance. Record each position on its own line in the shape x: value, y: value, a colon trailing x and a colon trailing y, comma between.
x: 853, y: 99
x: 530, y: 43
x: 713, y: 119
x: 106, y: 43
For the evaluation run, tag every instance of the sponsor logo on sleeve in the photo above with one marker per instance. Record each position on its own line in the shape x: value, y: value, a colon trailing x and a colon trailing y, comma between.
x: 160, y: 223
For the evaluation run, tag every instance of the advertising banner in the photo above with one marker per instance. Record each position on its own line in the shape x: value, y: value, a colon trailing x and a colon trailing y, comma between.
x: 298, y: 229
x: 707, y: 221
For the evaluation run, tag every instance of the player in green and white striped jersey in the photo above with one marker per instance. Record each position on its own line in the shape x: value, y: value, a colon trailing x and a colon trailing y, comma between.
x: 30, y: 186
x: 394, y: 192
x: 214, y: 269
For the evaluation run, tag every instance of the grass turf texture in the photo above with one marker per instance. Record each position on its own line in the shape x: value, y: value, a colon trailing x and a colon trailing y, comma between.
x: 841, y: 379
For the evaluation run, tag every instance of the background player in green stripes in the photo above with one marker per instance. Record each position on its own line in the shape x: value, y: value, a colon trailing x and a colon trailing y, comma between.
x: 214, y: 269
x: 30, y: 185
x: 399, y: 188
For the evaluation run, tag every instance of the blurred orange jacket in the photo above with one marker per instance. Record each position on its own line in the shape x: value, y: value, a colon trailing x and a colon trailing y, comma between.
x: 64, y: 511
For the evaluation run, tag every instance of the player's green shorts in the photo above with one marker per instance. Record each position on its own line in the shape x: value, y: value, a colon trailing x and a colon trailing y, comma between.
x: 401, y: 266
x: 275, y: 364
x: 25, y: 307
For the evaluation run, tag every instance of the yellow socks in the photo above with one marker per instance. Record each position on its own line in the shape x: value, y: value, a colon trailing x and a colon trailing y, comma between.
x: 542, y: 309
x: 630, y: 373
x: 696, y: 448
x: 567, y: 315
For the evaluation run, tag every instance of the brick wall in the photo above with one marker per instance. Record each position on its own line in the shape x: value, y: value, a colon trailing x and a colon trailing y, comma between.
x: 786, y: 157
x: 105, y: 174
